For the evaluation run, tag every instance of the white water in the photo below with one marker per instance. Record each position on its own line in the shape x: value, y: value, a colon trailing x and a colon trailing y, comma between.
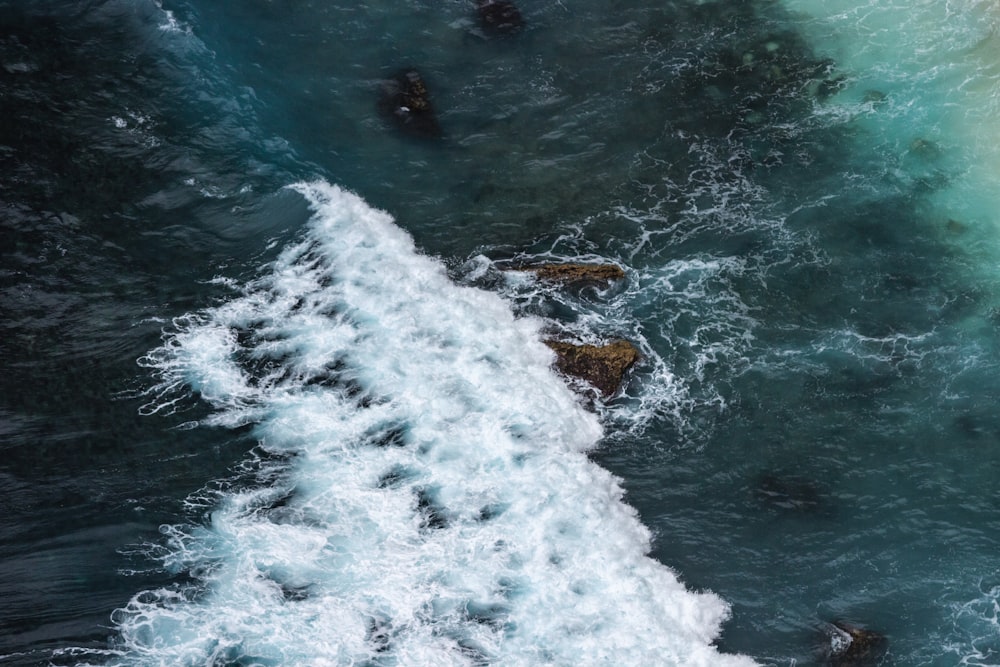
x: 422, y: 493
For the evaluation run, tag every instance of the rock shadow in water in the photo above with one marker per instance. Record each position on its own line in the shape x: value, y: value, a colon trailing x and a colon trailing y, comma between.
x: 792, y: 494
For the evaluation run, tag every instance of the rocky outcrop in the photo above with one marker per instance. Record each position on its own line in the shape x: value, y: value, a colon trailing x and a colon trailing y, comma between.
x: 603, y: 367
x: 852, y: 646
x: 499, y: 16
x: 577, y: 275
x: 405, y: 100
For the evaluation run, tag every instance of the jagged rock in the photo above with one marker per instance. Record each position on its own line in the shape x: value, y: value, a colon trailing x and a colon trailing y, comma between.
x: 499, y: 16
x: 578, y: 275
x: 603, y: 367
x: 852, y: 646
x: 406, y: 101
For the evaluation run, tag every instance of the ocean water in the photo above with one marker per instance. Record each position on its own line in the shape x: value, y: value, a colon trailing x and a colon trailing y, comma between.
x: 271, y: 394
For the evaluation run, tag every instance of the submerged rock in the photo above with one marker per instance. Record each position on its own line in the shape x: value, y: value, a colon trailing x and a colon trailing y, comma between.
x: 577, y: 275
x: 874, y: 97
x: 603, y: 367
x: 830, y: 86
x: 791, y: 493
x: 925, y: 149
x: 406, y: 101
x: 499, y: 16
x: 955, y: 227
x: 852, y: 646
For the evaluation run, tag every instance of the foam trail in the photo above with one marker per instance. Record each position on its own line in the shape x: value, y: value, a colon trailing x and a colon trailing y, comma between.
x: 421, y: 494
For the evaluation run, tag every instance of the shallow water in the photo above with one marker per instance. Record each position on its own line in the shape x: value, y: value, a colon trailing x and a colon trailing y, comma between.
x: 343, y: 418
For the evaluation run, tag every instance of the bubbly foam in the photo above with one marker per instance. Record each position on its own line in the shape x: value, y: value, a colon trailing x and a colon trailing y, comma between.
x: 421, y: 493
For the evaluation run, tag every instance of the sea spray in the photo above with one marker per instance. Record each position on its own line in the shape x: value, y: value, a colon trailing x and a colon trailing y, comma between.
x: 421, y: 492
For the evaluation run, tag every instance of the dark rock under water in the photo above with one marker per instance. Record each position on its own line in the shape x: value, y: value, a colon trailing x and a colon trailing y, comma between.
x: 791, y: 493
x: 404, y: 99
x: 854, y: 646
x: 499, y: 16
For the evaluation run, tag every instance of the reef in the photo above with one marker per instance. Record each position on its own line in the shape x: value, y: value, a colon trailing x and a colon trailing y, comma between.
x: 405, y: 100
x: 602, y: 367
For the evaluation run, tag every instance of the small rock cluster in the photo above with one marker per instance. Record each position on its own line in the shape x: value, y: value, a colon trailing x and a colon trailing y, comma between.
x: 603, y: 367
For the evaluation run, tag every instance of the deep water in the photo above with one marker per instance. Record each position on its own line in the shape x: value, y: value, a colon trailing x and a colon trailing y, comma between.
x: 270, y: 396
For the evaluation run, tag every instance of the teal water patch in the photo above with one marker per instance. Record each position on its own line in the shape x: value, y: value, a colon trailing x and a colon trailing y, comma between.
x: 920, y: 82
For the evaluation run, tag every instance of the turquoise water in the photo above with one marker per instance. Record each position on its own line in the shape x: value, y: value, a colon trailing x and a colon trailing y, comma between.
x: 342, y: 440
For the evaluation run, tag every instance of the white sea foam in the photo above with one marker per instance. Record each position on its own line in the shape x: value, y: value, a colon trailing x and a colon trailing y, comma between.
x: 421, y: 494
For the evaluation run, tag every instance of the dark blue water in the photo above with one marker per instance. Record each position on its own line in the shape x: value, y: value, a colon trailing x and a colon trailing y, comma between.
x: 802, y: 195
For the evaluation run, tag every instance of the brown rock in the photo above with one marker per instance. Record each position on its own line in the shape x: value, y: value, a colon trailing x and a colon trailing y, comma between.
x: 603, y: 367
x: 577, y: 275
